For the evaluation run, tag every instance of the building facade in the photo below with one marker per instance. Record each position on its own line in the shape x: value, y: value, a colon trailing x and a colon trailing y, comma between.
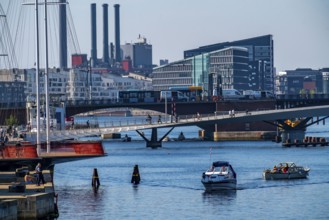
x: 302, y: 81
x: 12, y: 89
x: 140, y: 53
x: 260, y: 56
x: 222, y: 69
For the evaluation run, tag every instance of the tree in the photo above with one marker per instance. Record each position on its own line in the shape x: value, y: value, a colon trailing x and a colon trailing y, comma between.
x: 12, y: 120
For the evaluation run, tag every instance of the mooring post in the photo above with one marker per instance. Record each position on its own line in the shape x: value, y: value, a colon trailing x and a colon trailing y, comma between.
x: 95, y: 179
x: 135, y: 178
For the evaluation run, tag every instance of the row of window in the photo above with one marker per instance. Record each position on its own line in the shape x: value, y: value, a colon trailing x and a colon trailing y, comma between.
x: 172, y: 75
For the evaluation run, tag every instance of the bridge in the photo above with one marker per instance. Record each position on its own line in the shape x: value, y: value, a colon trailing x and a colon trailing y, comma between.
x: 203, y: 107
x: 188, y: 120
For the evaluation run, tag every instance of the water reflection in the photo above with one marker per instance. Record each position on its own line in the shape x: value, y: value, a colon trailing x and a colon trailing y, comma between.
x: 82, y: 201
x: 219, y: 198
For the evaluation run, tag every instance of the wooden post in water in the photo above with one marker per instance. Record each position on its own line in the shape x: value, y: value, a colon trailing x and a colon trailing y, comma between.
x: 136, y: 178
x: 95, y: 179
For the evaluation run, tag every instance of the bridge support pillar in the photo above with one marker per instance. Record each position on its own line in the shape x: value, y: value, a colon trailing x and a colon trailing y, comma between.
x: 292, y: 135
x: 154, y: 142
x: 207, y: 134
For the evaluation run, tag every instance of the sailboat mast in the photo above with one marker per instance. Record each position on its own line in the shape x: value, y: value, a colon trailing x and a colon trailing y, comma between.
x: 47, y: 81
x: 37, y: 77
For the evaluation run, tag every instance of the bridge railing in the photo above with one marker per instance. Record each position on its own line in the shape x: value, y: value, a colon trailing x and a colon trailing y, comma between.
x: 130, y: 121
x: 302, y: 96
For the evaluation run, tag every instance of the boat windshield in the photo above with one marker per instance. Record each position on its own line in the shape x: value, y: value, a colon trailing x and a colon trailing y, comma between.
x: 222, y: 169
x: 287, y: 164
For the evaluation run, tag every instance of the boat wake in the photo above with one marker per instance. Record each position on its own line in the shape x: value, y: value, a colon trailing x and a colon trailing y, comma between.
x: 278, y: 183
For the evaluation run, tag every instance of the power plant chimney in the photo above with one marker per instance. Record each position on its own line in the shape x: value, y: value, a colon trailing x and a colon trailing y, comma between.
x: 93, y: 36
x: 62, y: 35
x: 105, y: 34
x: 117, y: 33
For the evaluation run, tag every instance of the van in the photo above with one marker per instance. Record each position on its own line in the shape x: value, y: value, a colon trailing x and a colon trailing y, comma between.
x: 231, y: 94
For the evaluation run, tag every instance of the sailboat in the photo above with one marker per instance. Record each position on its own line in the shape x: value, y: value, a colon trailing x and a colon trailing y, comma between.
x: 16, y: 154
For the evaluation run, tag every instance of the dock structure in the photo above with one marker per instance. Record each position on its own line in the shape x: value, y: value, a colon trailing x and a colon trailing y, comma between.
x: 307, y: 141
x: 19, y: 200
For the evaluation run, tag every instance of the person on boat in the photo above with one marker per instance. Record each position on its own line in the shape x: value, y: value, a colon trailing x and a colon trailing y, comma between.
x: 38, y: 171
x: 159, y: 119
x: 275, y: 169
x: 29, y: 179
x: 223, y: 169
x: 88, y: 124
x: 285, y: 169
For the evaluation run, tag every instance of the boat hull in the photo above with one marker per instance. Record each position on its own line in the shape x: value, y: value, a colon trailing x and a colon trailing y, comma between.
x: 17, y: 154
x: 221, y: 185
x: 281, y: 176
x: 20, y: 150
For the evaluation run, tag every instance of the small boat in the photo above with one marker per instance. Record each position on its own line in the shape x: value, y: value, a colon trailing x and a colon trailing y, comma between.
x: 221, y: 175
x: 286, y: 170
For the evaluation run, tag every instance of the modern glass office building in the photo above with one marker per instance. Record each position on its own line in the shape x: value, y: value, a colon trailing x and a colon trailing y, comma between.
x: 226, y: 68
x: 260, y: 56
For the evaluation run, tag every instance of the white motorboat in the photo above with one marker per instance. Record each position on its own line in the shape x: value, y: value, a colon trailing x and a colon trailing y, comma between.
x: 221, y: 175
x: 286, y: 170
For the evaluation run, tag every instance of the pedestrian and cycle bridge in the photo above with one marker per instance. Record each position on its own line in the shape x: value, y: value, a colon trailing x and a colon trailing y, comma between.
x: 276, y: 117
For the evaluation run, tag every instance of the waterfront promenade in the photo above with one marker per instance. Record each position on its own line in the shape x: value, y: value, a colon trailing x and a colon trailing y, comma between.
x: 19, y: 200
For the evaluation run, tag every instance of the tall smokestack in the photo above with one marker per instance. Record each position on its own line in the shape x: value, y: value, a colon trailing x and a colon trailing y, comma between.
x: 62, y: 35
x: 117, y: 33
x: 105, y: 34
x: 93, y: 36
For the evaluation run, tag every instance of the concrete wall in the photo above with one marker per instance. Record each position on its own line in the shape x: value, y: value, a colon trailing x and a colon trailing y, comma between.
x: 36, y: 206
x: 8, y: 209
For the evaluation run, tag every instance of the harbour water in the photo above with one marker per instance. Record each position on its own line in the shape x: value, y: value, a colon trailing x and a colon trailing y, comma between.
x: 171, y: 185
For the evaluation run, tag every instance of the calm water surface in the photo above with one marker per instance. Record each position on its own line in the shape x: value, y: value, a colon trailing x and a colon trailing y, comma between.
x: 171, y: 185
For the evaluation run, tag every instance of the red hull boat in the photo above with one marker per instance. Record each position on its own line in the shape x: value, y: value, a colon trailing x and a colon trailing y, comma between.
x: 17, y: 154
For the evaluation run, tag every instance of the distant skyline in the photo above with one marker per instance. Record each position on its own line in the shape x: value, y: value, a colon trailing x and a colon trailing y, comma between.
x: 300, y: 28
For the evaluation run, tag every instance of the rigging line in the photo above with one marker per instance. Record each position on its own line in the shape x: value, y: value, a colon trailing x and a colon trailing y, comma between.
x: 20, y: 43
x: 75, y: 37
x: 11, y: 49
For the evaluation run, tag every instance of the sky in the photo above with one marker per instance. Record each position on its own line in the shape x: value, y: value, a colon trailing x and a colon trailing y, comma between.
x: 300, y: 28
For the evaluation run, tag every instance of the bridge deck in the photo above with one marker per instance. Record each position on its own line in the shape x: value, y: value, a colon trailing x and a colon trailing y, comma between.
x: 189, y: 120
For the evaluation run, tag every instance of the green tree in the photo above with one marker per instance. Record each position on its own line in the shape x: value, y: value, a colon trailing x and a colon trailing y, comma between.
x: 11, y: 121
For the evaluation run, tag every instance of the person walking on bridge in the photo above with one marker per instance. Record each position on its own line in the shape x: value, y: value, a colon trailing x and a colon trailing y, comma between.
x: 149, y: 118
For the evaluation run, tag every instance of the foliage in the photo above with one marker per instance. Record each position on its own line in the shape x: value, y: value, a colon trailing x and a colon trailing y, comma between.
x: 12, y: 120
